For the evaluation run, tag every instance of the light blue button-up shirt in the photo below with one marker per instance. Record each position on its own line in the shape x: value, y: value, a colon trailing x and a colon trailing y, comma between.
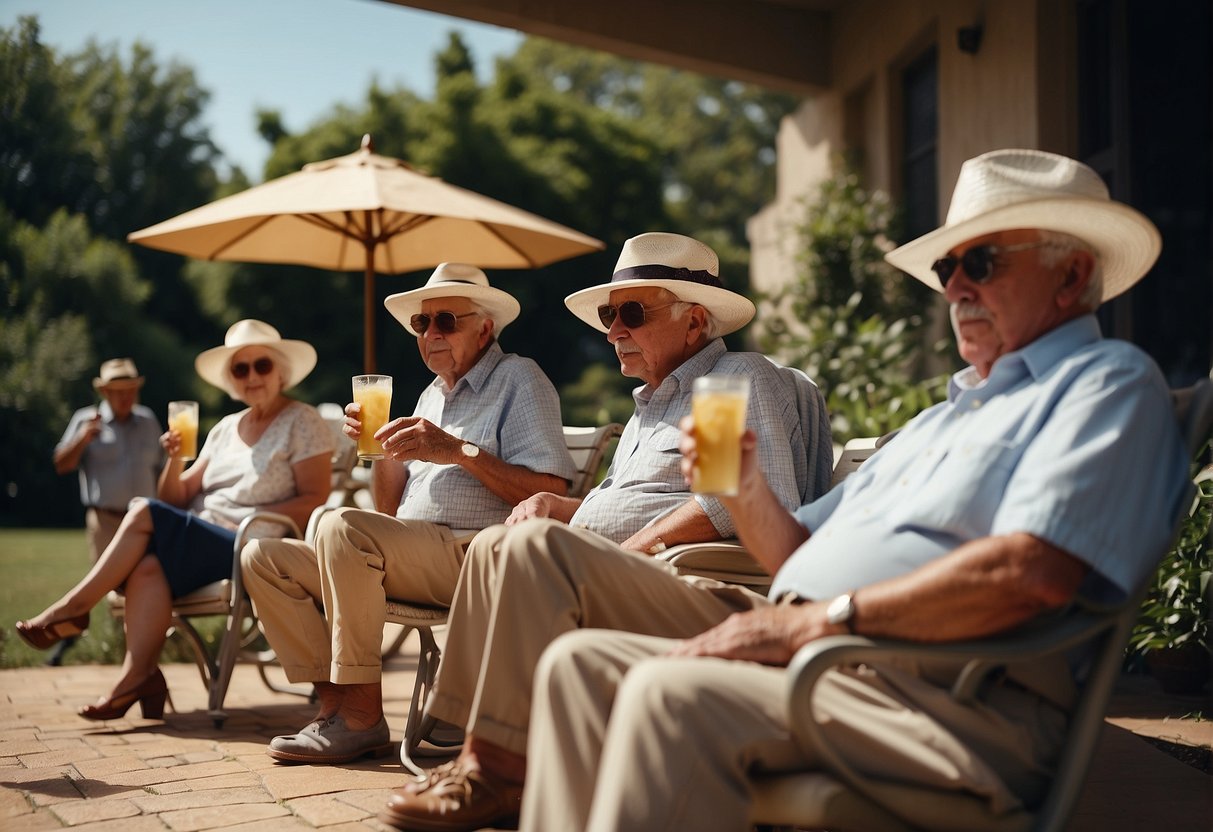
x: 506, y: 406
x: 123, y: 460
x: 1071, y: 439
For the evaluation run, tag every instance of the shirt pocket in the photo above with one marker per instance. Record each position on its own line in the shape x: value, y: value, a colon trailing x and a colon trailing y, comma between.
x: 664, y: 439
x: 960, y: 494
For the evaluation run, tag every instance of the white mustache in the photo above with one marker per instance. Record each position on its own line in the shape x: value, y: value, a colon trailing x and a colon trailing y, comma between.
x: 961, y: 312
x: 620, y: 349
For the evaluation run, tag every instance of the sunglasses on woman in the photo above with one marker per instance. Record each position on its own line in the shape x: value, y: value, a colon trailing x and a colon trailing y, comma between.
x: 263, y: 367
x: 978, y: 262
x: 633, y: 313
x: 447, y: 322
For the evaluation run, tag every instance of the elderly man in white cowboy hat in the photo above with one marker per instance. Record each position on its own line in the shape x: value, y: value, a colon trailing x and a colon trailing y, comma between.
x: 115, y: 446
x: 561, y: 564
x: 485, y: 434
x: 1053, y: 472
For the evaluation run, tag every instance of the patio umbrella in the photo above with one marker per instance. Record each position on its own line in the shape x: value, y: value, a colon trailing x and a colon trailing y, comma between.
x: 369, y: 213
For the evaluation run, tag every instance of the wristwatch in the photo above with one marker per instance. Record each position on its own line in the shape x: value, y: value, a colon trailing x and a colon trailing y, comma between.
x: 841, y: 610
x: 469, y: 450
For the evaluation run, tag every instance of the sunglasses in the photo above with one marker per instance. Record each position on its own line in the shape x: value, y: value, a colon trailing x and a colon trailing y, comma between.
x: 262, y: 366
x: 447, y: 322
x: 632, y: 312
x: 978, y: 262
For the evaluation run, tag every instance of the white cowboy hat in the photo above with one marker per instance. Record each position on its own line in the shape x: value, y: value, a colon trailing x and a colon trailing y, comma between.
x: 682, y: 265
x: 1008, y: 189
x: 455, y: 280
x: 118, y: 374
x: 212, y: 364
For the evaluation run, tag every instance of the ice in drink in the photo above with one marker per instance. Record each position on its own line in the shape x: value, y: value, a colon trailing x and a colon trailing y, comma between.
x: 374, y: 394
x: 718, y: 405
x: 183, y: 418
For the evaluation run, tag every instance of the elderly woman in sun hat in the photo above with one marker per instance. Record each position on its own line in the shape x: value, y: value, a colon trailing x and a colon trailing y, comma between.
x: 274, y: 455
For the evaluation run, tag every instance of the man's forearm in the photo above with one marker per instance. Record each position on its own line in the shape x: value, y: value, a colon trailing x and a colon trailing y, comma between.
x: 767, y: 530
x: 686, y: 524
x: 512, y: 483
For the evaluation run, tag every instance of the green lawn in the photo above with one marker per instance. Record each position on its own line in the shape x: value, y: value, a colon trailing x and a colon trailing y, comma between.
x: 39, y: 565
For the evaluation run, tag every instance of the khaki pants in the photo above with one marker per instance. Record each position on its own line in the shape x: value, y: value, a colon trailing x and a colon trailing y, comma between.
x: 323, y: 611
x: 624, y: 737
x: 101, y: 525
x: 524, y: 585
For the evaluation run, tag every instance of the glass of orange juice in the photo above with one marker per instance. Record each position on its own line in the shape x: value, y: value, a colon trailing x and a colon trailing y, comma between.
x: 183, y: 418
x: 374, y: 394
x: 718, y: 406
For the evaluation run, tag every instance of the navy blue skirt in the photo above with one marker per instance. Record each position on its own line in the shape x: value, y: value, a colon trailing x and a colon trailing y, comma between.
x: 192, y: 552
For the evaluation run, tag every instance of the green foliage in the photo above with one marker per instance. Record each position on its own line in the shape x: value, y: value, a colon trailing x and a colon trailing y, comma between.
x: 1177, y: 606
x: 600, y: 396
x: 849, y: 319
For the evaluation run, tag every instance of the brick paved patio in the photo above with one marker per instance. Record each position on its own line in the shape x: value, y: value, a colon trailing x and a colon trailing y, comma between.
x: 57, y: 770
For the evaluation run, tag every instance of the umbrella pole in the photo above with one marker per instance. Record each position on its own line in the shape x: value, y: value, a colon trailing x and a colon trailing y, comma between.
x: 368, y: 312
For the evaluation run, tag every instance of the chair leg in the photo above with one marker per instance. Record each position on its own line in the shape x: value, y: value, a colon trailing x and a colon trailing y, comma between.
x: 229, y: 651
x: 207, y: 668
x: 419, y: 724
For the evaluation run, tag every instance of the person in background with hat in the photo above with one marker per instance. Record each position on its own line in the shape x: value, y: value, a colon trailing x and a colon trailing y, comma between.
x: 273, y: 456
x: 559, y: 564
x: 1053, y: 473
x: 115, y: 446
x: 485, y: 434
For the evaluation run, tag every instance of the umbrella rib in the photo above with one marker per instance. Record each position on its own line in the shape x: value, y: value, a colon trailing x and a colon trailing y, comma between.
x: 236, y: 239
x: 529, y: 260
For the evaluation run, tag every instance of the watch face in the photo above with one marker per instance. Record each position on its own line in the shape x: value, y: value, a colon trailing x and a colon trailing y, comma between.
x: 469, y: 450
x: 840, y: 610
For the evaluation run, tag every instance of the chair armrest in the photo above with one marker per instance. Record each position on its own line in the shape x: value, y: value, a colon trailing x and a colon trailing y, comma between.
x: 1048, y: 636
x: 715, y: 557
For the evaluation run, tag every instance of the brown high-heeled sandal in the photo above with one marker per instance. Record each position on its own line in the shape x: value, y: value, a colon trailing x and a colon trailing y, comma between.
x: 48, y: 635
x: 151, y: 694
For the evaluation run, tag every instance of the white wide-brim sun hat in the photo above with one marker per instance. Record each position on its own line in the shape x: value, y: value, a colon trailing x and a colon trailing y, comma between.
x: 212, y: 365
x: 1004, y: 190
x: 455, y: 280
x: 682, y: 265
x: 118, y: 374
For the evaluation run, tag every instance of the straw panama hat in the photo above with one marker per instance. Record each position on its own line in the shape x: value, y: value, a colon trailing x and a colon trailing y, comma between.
x: 118, y: 373
x: 1008, y: 189
x: 455, y: 280
x: 682, y: 265
x: 212, y: 364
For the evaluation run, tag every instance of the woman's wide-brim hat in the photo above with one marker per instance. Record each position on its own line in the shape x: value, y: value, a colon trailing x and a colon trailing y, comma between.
x: 118, y: 374
x: 1005, y: 190
x: 681, y: 265
x: 212, y: 365
x: 455, y: 280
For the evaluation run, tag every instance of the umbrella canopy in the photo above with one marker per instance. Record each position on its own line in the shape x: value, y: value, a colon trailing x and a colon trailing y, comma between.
x: 369, y: 213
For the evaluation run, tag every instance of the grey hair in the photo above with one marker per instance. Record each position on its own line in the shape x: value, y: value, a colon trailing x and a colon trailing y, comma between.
x: 710, y: 327
x: 483, y: 312
x: 1061, y: 244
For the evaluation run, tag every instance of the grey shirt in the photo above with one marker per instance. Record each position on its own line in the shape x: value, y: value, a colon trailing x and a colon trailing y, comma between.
x: 123, y: 460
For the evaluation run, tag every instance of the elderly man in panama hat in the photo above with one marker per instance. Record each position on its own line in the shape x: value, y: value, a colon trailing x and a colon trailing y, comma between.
x: 115, y: 446
x: 1054, y: 471
x: 560, y: 564
x: 484, y: 435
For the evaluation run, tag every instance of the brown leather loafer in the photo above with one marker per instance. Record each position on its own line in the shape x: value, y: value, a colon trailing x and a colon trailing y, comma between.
x: 457, y: 800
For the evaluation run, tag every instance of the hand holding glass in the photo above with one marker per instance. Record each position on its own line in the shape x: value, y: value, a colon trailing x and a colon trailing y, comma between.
x: 183, y: 418
x: 718, y: 406
x: 374, y: 396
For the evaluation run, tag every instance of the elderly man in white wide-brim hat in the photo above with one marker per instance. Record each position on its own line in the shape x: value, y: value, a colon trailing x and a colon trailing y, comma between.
x: 116, y: 448
x: 1054, y: 471
x: 561, y: 563
x: 485, y: 434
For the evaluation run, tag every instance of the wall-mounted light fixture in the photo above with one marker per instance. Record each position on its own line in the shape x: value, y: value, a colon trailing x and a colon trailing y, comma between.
x: 968, y: 38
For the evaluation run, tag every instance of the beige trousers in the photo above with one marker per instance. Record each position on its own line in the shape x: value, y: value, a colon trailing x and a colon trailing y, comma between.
x: 524, y: 585
x: 624, y: 737
x: 323, y: 611
x: 101, y: 525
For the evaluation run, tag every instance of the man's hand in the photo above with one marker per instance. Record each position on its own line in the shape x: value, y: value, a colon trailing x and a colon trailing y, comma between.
x: 412, y: 437
x: 537, y: 505
x: 770, y: 635
x: 90, y: 429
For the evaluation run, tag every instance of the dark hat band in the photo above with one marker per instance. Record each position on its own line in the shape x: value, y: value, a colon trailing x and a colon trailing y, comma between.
x: 656, y: 271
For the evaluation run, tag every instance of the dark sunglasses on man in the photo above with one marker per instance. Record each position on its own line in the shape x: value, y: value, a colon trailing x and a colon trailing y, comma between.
x: 633, y: 313
x: 447, y: 322
x: 978, y: 262
x: 263, y: 366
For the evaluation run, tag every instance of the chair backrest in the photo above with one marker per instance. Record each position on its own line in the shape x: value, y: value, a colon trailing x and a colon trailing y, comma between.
x: 342, y: 484
x: 854, y: 454
x: 587, y: 446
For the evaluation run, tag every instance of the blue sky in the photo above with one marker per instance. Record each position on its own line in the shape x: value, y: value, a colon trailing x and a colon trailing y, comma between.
x: 299, y: 57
